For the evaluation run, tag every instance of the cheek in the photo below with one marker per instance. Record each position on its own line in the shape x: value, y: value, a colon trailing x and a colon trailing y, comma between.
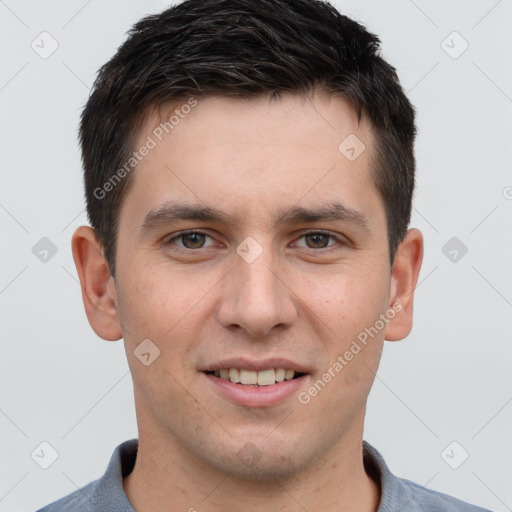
x: 353, y: 350
x: 155, y: 305
x: 170, y: 309
x: 346, y: 302
x: 156, y: 300
x: 346, y: 308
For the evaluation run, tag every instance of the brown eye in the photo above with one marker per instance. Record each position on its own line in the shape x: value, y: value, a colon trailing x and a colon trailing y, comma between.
x: 190, y: 240
x: 317, y: 240
x: 193, y: 240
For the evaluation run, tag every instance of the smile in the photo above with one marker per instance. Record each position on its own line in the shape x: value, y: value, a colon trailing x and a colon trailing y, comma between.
x: 255, y: 378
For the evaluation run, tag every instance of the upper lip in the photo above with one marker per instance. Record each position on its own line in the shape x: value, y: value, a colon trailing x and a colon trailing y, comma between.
x: 254, y: 365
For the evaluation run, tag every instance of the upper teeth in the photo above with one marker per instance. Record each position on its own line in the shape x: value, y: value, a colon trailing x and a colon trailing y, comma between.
x: 261, y: 378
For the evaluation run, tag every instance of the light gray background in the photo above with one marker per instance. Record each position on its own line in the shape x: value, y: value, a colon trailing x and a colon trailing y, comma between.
x: 451, y: 380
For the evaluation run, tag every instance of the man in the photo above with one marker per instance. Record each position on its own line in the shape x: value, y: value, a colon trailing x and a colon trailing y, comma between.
x: 249, y: 174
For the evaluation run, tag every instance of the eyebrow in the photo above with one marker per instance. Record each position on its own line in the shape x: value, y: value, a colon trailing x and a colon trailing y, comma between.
x: 177, y: 211
x: 329, y: 212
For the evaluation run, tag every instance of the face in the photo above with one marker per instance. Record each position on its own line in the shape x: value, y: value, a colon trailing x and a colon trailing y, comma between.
x: 284, y: 267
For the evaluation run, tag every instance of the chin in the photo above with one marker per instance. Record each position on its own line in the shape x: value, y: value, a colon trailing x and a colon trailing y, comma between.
x: 258, y: 462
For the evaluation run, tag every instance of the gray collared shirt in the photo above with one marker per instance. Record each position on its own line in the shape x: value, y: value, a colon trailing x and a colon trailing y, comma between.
x: 397, y: 494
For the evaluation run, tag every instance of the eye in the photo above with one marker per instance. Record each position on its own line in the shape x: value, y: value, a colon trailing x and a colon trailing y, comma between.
x: 189, y: 240
x: 318, y: 240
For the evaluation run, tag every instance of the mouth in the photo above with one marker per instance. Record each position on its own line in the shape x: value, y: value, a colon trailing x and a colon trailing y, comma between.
x: 253, y: 378
x: 257, y: 383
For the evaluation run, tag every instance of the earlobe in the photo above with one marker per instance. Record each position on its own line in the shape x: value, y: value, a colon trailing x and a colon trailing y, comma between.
x: 98, y: 288
x: 404, y: 277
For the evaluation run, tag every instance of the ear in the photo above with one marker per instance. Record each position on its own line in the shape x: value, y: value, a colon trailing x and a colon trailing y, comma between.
x: 98, y: 287
x: 404, y: 276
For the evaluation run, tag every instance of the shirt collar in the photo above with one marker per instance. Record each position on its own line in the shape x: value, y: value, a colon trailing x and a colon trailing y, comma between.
x: 396, y: 495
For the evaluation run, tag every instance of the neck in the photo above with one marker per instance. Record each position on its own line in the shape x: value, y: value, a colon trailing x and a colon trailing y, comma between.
x: 166, y: 478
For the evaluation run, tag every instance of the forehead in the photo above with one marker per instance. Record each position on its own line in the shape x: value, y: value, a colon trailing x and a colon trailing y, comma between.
x: 247, y: 155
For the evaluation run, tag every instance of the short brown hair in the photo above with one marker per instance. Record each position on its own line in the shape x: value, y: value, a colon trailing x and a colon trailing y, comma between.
x: 243, y: 48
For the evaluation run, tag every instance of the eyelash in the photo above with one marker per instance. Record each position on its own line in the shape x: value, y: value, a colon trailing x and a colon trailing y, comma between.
x: 182, y: 234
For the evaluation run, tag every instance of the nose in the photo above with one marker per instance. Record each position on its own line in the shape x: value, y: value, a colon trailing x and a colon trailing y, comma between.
x: 257, y: 299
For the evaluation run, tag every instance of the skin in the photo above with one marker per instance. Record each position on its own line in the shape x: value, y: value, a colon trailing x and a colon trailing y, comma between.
x: 298, y: 300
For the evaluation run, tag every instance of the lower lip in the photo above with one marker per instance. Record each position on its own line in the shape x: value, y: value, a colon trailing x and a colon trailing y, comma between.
x: 262, y: 396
